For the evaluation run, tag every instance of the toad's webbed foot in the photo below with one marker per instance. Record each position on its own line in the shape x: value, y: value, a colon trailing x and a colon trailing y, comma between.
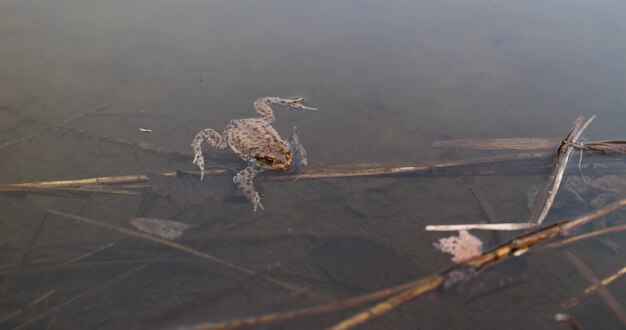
x: 262, y: 106
x: 244, y: 182
x: 213, y: 138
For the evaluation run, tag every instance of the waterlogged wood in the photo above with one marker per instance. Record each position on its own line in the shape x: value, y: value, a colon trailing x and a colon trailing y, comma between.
x: 499, y: 144
x: 167, y: 229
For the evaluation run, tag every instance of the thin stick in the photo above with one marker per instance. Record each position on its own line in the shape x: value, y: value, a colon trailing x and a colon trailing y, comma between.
x: 180, y: 247
x: 616, y: 147
x: 21, y: 311
x: 66, y: 121
x: 28, y: 250
x: 608, y: 298
x: 546, y: 196
x: 88, y: 254
x: 82, y: 296
x: 572, y: 302
x: 574, y: 239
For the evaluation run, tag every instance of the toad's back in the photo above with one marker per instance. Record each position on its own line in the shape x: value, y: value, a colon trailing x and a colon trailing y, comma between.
x: 254, y: 138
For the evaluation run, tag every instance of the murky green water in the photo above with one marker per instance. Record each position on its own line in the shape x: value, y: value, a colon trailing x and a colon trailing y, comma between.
x: 389, y: 79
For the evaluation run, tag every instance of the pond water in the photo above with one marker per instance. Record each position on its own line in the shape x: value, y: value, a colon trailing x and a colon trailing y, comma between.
x: 389, y: 78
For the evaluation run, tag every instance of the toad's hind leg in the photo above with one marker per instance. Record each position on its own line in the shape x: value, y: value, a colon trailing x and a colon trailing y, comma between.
x: 244, y: 181
x: 213, y: 138
x: 262, y: 106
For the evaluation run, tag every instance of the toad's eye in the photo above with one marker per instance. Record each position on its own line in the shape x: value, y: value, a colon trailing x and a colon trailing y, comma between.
x: 267, y: 160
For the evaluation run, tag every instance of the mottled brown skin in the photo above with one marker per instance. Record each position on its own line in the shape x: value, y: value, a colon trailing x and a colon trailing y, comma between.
x: 256, y: 142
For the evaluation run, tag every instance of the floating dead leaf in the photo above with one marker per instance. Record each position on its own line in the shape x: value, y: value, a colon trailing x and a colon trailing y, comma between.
x: 167, y: 229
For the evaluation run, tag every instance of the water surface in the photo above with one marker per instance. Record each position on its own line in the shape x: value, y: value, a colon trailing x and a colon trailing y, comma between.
x: 389, y: 79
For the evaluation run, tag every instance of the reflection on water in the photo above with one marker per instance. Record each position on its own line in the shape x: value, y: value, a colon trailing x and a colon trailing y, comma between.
x: 389, y: 79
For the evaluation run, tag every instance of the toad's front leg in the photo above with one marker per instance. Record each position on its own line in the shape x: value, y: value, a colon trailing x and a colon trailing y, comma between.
x: 213, y: 138
x: 262, y: 106
x: 244, y: 181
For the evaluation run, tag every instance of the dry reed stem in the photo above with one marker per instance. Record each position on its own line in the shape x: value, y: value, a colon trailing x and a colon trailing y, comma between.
x: 180, y: 247
x: 608, y: 298
x: 572, y: 302
x: 322, y: 173
x: 499, y: 143
x: 574, y: 239
x: 482, y: 226
x: 546, y: 196
x: 616, y: 147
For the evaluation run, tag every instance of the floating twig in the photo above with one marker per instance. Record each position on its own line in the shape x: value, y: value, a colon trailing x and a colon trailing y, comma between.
x: 482, y: 226
x: 546, y: 196
x: 615, y: 147
x: 574, y: 239
x: 499, y: 143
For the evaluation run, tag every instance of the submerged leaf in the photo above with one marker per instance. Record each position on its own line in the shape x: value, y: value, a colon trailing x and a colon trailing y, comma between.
x: 167, y: 229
